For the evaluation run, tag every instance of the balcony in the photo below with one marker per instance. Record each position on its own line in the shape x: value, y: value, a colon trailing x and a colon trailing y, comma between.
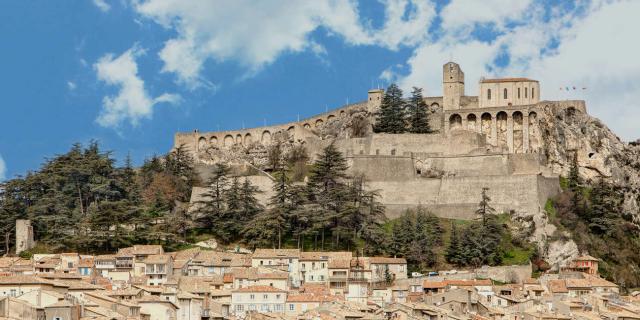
x: 338, y: 278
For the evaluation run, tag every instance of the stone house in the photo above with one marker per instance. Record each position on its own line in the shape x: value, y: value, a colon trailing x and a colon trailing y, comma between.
x: 280, y: 259
x: 104, y: 264
x: 397, y: 267
x: 338, y: 275
x: 158, y: 309
x: 301, y: 302
x: 158, y: 268
x: 584, y: 263
x: 258, y: 298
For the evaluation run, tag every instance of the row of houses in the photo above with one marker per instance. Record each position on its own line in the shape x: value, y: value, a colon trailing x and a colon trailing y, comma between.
x: 144, y: 282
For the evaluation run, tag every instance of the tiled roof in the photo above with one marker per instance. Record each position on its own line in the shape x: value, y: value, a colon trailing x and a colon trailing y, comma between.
x: 464, y: 283
x: 586, y: 258
x: 276, y: 253
x: 434, y: 284
x: 385, y: 260
x: 258, y: 289
x: 339, y: 263
x: 557, y: 286
x: 507, y: 80
x: 310, y: 297
x: 157, y: 258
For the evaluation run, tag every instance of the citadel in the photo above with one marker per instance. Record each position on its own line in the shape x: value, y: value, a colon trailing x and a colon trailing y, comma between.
x: 491, y: 140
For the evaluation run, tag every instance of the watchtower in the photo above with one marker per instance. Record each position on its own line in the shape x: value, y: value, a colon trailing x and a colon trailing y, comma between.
x: 24, y: 235
x: 374, y: 99
x: 452, y: 85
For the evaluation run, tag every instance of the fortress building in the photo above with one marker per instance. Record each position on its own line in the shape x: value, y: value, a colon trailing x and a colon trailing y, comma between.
x: 490, y: 140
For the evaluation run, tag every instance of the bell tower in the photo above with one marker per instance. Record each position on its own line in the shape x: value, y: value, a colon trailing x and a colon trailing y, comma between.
x: 452, y: 85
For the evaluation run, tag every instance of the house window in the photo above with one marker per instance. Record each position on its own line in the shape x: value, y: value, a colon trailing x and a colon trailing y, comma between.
x: 518, y: 93
x: 264, y: 297
x: 532, y: 92
x: 277, y: 296
x: 291, y: 307
x: 252, y: 297
x: 70, y: 264
x: 252, y: 307
x: 505, y: 93
x: 240, y: 308
x: 525, y: 92
x: 488, y: 94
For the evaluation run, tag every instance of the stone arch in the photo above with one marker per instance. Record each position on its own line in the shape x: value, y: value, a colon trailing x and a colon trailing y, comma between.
x: 319, y: 123
x: 455, y: 122
x: 330, y: 117
x: 228, y: 140
x: 534, y: 132
x: 342, y: 113
x: 435, y: 106
x: 518, y: 140
x: 202, y: 144
x: 485, y: 125
x: 247, y: 139
x: 239, y: 138
x: 213, y: 141
x: 501, y: 126
x: 306, y: 126
x: 266, y: 137
x: 472, y: 122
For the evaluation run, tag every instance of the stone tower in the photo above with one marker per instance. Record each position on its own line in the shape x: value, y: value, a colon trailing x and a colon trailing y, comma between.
x: 374, y: 99
x: 452, y: 85
x: 24, y: 235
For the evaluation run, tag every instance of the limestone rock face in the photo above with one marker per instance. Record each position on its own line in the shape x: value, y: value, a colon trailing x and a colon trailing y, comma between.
x: 601, y: 154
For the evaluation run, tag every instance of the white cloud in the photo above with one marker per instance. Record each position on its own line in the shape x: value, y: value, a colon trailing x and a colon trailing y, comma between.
x: 255, y: 33
x: 3, y: 169
x: 71, y: 85
x: 132, y: 102
x: 463, y: 14
x: 102, y: 5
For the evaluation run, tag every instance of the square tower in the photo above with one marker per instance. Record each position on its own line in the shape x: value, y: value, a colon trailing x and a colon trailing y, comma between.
x: 24, y: 235
x: 452, y: 85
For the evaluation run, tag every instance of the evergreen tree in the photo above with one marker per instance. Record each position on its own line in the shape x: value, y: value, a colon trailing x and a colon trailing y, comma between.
x: 453, y: 253
x: 574, y: 180
x: 604, y: 208
x: 484, y: 208
x: 418, y: 118
x: 211, y: 211
x: 391, y: 117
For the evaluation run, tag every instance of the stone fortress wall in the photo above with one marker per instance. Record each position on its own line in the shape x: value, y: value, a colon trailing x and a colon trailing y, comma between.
x: 481, y: 141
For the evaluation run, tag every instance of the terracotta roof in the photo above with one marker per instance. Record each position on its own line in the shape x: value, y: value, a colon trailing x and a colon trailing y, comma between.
x: 557, y: 286
x: 85, y: 263
x: 24, y: 280
x: 276, y: 253
x: 310, y: 297
x: 157, y: 258
x: 259, y: 289
x: 384, y: 260
x: 324, y: 256
x: 507, y: 80
x: 434, y: 284
x: 586, y: 258
x: 339, y: 263
x: 199, y: 284
x: 104, y: 257
x: 227, y: 278
x: 466, y: 283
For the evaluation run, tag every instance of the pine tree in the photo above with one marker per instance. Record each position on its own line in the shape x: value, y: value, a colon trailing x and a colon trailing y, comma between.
x: 484, y: 208
x: 391, y: 117
x: 210, y: 211
x: 418, y: 118
x: 453, y: 253
x: 604, y: 208
x: 574, y: 179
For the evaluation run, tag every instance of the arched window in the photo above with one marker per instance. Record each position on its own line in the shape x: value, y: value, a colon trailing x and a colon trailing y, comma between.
x: 518, y: 93
x: 532, y: 92
x: 525, y: 92
x: 488, y: 94
x: 505, y: 93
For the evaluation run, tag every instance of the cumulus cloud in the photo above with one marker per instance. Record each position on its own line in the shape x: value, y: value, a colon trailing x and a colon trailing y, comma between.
x: 3, y: 169
x: 102, y: 5
x: 132, y: 102
x: 255, y: 33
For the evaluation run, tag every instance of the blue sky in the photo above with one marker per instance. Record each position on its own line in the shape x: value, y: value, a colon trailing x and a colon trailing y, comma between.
x: 130, y: 73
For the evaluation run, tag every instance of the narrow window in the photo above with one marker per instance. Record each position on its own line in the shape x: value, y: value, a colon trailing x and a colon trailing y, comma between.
x: 532, y: 92
x: 518, y: 93
x: 488, y: 94
x: 525, y: 92
x: 505, y: 93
